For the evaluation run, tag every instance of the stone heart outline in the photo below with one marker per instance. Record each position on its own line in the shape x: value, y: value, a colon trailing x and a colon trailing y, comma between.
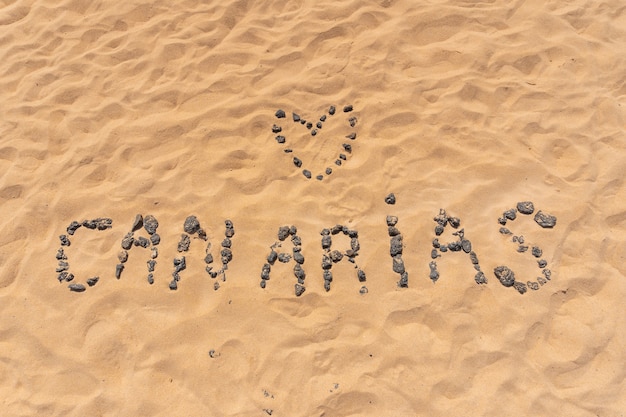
x: 314, y: 128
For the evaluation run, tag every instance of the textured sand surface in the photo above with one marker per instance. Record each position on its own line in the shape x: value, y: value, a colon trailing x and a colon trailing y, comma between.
x: 110, y: 109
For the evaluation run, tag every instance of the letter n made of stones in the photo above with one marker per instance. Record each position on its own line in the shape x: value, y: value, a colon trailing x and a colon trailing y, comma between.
x: 276, y: 254
x: 193, y: 229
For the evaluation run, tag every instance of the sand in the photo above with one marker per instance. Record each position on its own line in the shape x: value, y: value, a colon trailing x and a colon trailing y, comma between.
x: 113, y: 109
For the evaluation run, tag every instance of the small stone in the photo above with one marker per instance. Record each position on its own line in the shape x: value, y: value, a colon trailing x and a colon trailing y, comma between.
x: 327, y: 285
x: 443, y: 248
x: 347, y: 108
x: 323, y: 118
x: 522, y: 248
x: 118, y: 270
x: 434, y: 274
x: 361, y: 275
x: 326, y: 262
x: 542, y: 263
x: 342, y: 157
x: 438, y: 230
x: 325, y: 232
x: 319, y: 177
x: 61, y: 255
x: 363, y: 290
x: 537, y: 252
x: 307, y: 173
x: 122, y: 256
x: 296, y: 117
x: 533, y: 285
x: 329, y: 171
x: 276, y: 129
x: 336, y: 256
x: 338, y: 162
x: 192, y: 225
x: 76, y: 287
x: 395, y: 245
x: 313, y: 132
x: 393, y: 231
x: 142, y: 241
x: 455, y: 246
x: 92, y: 281
x: 150, y: 279
x: 309, y: 125
x: 510, y: 214
x: 151, y: 264
x: 183, y: 244
x: 281, y: 139
x: 398, y: 265
x: 545, y: 220
x: 525, y: 207
x: 208, y: 259
x: 505, y: 231
x: 434, y: 254
x: 319, y: 125
x: 265, y: 272
x: 63, y: 266
x: 138, y: 223
x: 336, y: 229
x: 299, y: 289
x: 390, y: 199
x: 504, y: 275
x: 541, y: 280
x: 466, y: 245
x: 351, y: 136
x: 271, y: 258
x: 520, y: 287
x: 502, y: 220
x: 480, y: 278
x: 227, y: 243
x: 352, y: 121
x: 227, y: 256
x: 473, y: 258
x: 72, y: 227
x: 392, y: 220
x: 547, y: 273
x: 262, y: 284
x: 180, y: 264
x: 280, y: 114
x: 155, y: 239
x: 64, y: 240
x: 295, y: 239
x: 328, y: 276
x: 298, y: 257
x: 326, y: 242
x: 331, y: 110
x: 347, y: 147
x: 284, y: 257
x: 151, y: 224
x: 293, y: 230
x: 63, y: 276
x: 436, y: 243
x: 173, y: 285
x: 302, y: 121
x: 299, y: 272
x: 354, y: 245
x: 520, y: 239
x: 216, y: 286
x: 455, y: 222
x: 127, y: 241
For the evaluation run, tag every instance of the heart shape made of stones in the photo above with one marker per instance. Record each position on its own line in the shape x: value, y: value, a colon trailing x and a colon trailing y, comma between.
x: 314, y: 128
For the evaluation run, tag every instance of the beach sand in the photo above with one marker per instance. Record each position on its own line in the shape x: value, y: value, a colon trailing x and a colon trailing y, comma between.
x: 113, y: 109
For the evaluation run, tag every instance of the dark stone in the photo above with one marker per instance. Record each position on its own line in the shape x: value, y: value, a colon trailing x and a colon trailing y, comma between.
x: 92, y: 281
x: 336, y: 229
x: 466, y: 245
x: 76, y: 287
x: 434, y: 254
x: 319, y: 125
x: 326, y: 262
x: 64, y: 276
x: 347, y: 147
x: 90, y: 224
x: 545, y: 220
x: 227, y: 243
x: 173, y: 285
x: 299, y: 272
x: 336, y: 256
x: 392, y: 220
x: 64, y: 240
x: 271, y: 258
x: 520, y: 239
x: 390, y: 199
x: 392, y: 231
x: 541, y: 280
x: 438, y: 230
x: 533, y: 285
x: 331, y: 110
x: 155, y: 239
x: 122, y: 256
x: 313, y: 132
x: 342, y: 157
x: 295, y: 239
x: 436, y: 243
x: 547, y: 273
x: 474, y: 258
x: 542, y: 263
x: 398, y: 265
x: 118, y: 270
x: 455, y: 222
x: 338, y: 162
x: 284, y: 257
x: 265, y: 272
x: 441, y: 218
x: 72, y: 227
x: 454, y: 246
x: 347, y: 108
x: 142, y: 241
x: 280, y: 114
x: 61, y: 255
x: 298, y: 257
x: 307, y: 173
x: 443, y: 248
x: 63, y: 266
x: 505, y: 231
x: 404, y: 280
x: 504, y: 275
x: 396, y: 245
x: 537, y: 252
x: 327, y: 285
x: 352, y: 121
x: 502, y: 220
x: 229, y: 225
x: 326, y: 241
x: 325, y: 232
x: 329, y: 171
x: 351, y: 136
x: 319, y: 177
x: 522, y: 248
x: 296, y: 117
x: 151, y: 224
x: 227, y: 256
x: 180, y: 264
x: 151, y: 264
x: 276, y: 129
x: 127, y: 241
x: 183, y: 245
x: 480, y: 278
x: 138, y: 223
x: 525, y: 207
x: 354, y: 244
x: 192, y: 225
x: 361, y: 275
x: 363, y: 290
x: 520, y: 287
x: 262, y: 284
x: 299, y: 290
x: 150, y: 279
x: 208, y: 259
x: 510, y: 214
x: 309, y: 125
x: 293, y: 230
x: 302, y: 121
x: 434, y: 274
x: 323, y: 118
x: 281, y: 139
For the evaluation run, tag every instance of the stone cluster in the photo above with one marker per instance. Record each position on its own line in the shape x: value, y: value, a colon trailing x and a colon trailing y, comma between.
x: 150, y: 225
x: 314, y: 127
x: 331, y: 257
x: 63, y: 268
x: 462, y: 244
x: 503, y: 273
x: 284, y: 257
x: 191, y: 228
x: 395, y: 250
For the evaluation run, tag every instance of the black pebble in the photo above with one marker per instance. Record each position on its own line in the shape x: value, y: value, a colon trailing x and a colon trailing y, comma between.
x: 280, y: 139
x: 545, y: 220
x: 283, y: 232
x: 319, y: 177
x: 347, y: 108
x: 347, y: 147
x: 510, y: 214
x: 313, y: 132
x: 338, y: 162
x: 276, y: 129
x: 351, y: 136
x: 127, y: 241
x: 542, y: 263
x: 118, y: 270
x: 72, y: 227
x: 331, y: 110
x: 150, y: 223
x: 173, y: 285
x: 280, y: 114
x: 323, y: 118
x: 299, y: 290
x: 309, y: 125
x: 352, y: 121
x: 480, y: 278
x: 297, y: 162
x: 504, y: 275
x: 342, y: 156
x: 525, y: 207
x: 76, y: 287
x: 192, y: 225
x: 155, y: 239
x: 329, y: 171
x: 391, y: 220
x: 307, y: 173
x: 296, y: 117
x: 404, y: 280
x: 361, y: 275
x: 64, y: 240
x: 537, y: 252
x: 288, y: 150
x: 138, y: 223
x: 183, y: 245
x: 93, y: 281
x: 390, y: 199
x: 319, y: 125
